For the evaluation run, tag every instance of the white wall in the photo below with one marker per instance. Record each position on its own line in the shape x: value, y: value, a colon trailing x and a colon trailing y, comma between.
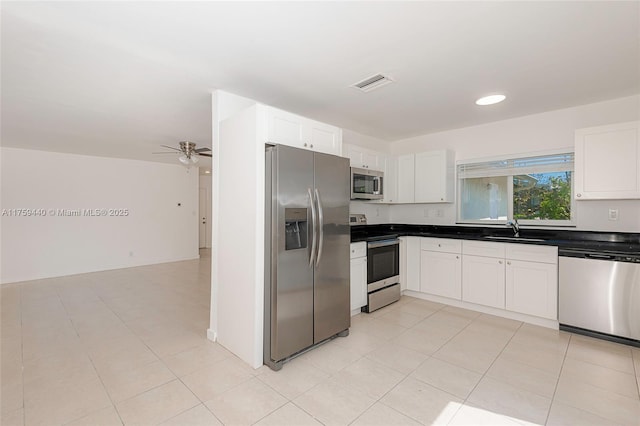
x: 369, y: 142
x: 156, y: 230
x: 534, y: 133
x: 205, y: 183
x: 223, y: 106
x: 237, y: 292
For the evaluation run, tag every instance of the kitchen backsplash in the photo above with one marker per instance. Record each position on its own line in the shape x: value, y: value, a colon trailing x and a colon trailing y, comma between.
x: 590, y: 215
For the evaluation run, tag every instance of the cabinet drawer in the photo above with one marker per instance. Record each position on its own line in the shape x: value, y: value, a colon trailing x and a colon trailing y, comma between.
x: 483, y: 248
x: 441, y: 244
x: 532, y: 253
x: 358, y: 250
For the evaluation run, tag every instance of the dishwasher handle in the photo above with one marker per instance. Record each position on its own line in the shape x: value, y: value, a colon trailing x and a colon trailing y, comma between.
x: 600, y: 256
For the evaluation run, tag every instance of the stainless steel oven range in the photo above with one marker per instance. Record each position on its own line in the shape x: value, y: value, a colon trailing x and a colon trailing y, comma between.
x: 383, y: 272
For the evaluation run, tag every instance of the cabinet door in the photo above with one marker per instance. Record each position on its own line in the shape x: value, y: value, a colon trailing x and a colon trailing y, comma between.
x: 607, y: 162
x: 434, y: 177
x: 358, y: 282
x: 390, y: 182
x: 483, y: 280
x: 406, y: 178
x: 284, y: 128
x: 441, y: 274
x: 322, y: 137
x: 293, y: 130
x: 413, y: 263
x: 532, y: 288
x: 355, y: 156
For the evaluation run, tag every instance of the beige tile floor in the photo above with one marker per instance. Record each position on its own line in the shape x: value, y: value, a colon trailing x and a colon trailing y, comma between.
x: 128, y: 347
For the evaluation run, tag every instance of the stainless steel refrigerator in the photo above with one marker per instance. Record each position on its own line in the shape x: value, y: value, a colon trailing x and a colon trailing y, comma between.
x: 307, y: 241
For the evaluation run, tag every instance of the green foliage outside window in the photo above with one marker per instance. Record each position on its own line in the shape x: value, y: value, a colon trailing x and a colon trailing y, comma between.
x: 544, y: 196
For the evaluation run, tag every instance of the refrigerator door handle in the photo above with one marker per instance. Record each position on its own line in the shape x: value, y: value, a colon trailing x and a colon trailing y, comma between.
x: 314, y: 237
x: 320, y: 227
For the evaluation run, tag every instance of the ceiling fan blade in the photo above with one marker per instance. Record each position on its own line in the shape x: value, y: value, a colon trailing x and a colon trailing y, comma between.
x: 174, y: 153
x: 204, y: 155
x: 171, y: 147
x: 199, y: 150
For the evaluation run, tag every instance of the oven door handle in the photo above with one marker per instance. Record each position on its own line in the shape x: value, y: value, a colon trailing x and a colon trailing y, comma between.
x: 382, y: 243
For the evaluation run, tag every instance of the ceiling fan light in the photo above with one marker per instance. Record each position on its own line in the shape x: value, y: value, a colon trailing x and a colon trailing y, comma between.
x: 194, y: 159
x: 184, y: 160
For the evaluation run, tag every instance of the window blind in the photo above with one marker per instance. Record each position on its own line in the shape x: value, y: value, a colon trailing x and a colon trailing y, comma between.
x: 517, y: 166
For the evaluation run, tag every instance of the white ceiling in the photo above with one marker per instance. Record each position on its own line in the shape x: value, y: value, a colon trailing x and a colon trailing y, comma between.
x: 121, y: 78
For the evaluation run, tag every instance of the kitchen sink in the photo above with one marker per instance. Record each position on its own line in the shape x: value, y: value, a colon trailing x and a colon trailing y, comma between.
x: 501, y: 238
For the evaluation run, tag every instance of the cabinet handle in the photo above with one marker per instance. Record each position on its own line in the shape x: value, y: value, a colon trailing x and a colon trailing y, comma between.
x: 508, y: 263
x: 305, y: 144
x: 578, y: 195
x: 311, y: 146
x: 500, y: 262
x: 439, y: 245
x: 441, y: 199
x: 457, y: 257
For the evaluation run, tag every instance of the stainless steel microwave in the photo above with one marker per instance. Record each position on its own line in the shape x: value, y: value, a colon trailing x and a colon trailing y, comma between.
x: 366, y: 184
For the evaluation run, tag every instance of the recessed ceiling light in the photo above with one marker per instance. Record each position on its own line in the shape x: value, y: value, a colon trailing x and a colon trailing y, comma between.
x: 490, y: 100
x: 207, y: 171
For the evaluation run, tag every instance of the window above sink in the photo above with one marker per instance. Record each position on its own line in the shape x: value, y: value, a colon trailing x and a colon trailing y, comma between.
x: 535, y: 190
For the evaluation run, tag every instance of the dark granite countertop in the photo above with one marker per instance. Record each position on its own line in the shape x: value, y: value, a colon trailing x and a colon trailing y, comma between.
x: 567, y: 241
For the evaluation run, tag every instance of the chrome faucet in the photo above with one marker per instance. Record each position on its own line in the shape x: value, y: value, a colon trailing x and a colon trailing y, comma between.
x: 515, y: 226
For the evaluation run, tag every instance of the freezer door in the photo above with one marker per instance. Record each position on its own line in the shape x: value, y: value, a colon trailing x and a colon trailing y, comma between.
x: 331, y: 275
x: 290, y: 285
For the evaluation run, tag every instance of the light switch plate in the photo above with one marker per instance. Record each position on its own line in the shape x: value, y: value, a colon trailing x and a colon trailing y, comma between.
x: 613, y: 214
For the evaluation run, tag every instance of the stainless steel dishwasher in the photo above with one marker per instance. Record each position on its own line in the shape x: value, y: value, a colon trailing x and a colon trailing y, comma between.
x: 599, y: 294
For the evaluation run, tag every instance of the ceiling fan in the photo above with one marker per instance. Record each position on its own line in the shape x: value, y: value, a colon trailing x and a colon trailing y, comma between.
x: 189, y: 152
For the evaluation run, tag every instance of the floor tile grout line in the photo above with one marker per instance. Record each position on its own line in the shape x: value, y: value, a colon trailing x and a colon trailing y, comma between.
x: 488, y: 368
x: 24, y: 405
x: 555, y: 389
x: 106, y: 391
x: 408, y: 375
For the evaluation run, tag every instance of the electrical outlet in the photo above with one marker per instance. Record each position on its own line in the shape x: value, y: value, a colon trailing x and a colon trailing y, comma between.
x: 439, y: 213
x: 613, y: 214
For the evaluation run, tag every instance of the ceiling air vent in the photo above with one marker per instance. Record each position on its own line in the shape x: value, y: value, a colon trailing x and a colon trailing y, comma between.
x: 373, y: 82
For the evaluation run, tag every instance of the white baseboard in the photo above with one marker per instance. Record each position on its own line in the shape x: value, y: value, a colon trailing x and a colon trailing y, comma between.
x: 530, y: 319
x: 212, y: 335
x: 57, y: 274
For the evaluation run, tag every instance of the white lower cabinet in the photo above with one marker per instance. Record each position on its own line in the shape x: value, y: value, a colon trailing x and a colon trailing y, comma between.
x: 358, y: 275
x: 440, y: 268
x: 412, y: 263
x: 520, y: 278
x: 532, y: 288
x: 483, y: 280
x: 483, y: 273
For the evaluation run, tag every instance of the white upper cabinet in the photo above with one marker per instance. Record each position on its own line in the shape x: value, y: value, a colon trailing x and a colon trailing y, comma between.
x: 390, y: 182
x: 434, y: 177
x: 426, y: 177
x: 290, y: 129
x: 364, y: 158
x: 405, y: 179
x: 607, y: 162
